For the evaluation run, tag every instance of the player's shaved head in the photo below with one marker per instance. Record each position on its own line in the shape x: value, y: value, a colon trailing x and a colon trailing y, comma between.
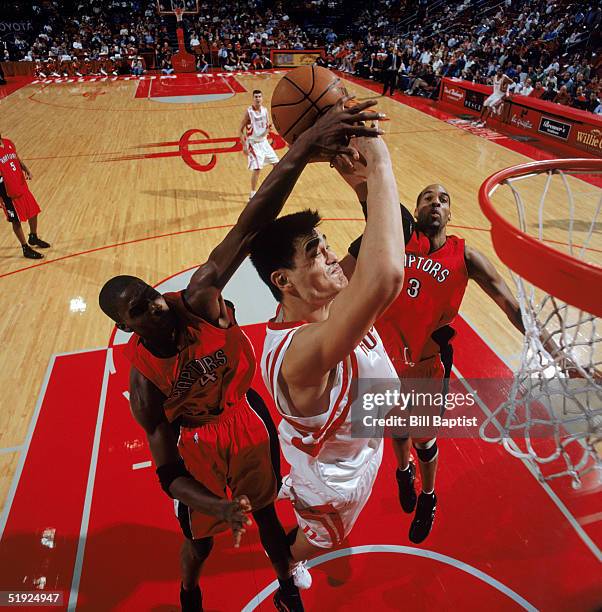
x: 434, y: 188
x: 110, y: 294
x: 274, y: 247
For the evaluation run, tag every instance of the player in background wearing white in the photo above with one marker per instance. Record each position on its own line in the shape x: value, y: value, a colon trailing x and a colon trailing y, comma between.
x: 501, y: 82
x: 254, y: 129
x: 320, y: 343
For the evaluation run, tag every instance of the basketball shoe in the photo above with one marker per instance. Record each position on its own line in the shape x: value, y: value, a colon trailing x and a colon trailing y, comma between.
x: 423, y: 520
x: 405, y: 487
x: 29, y: 253
x: 287, y: 602
x: 191, y: 601
x: 35, y: 240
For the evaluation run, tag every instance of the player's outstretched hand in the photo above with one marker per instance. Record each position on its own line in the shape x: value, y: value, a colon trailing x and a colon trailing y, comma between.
x: 235, y: 513
x: 329, y: 137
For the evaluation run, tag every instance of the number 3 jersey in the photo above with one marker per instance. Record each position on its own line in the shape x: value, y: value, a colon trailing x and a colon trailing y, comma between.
x: 433, y: 289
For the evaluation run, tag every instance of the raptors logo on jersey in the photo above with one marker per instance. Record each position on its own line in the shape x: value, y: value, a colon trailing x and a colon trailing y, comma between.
x: 209, y: 375
x: 10, y: 170
x: 432, y: 292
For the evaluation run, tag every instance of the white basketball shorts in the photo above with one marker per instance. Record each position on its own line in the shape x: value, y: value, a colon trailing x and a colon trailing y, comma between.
x: 494, y: 99
x: 261, y: 154
x: 328, y: 501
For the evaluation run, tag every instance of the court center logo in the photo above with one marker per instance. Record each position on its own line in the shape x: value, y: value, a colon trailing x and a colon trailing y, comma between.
x: 196, y: 149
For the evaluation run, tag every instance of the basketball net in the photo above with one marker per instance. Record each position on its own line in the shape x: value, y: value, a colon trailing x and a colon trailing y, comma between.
x: 553, y: 414
x: 179, y: 12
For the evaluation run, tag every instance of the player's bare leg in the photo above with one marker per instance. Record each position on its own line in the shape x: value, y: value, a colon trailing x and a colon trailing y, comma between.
x: 28, y: 252
x: 34, y: 240
x: 192, y: 557
x: 276, y: 545
x: 254, y: 182
x: 302, y: 549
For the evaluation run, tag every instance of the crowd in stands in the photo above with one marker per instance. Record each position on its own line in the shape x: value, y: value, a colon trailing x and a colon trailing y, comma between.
x: 549, y: 48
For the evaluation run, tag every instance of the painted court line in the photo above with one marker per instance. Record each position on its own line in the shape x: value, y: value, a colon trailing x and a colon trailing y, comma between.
x: 400, y: 550
x: 10, y: 449
x: 546, y: 487
x: 83, y: 534
x: 141, y: 465
x: 32, y: 425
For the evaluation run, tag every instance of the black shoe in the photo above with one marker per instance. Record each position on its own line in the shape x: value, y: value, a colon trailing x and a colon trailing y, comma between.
x: 425, y: 515
x: 405, y: 486
x: 191, y: 601
x: 30, y: 253
x: 35, y: 241
x: 288, y: 603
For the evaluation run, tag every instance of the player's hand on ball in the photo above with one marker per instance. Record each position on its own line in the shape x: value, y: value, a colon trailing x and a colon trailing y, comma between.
x: 235, y: 513
x: 329, y: 137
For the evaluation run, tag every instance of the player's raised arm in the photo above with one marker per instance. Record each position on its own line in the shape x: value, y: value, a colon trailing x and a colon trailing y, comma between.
x: 146, y: 402
x: 324, y: 141
x: 481, y: 270
x: 376, y: 282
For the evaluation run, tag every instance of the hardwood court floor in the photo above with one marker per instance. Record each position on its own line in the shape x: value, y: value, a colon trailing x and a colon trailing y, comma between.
x: 124, y: 189
x: 109, y: 210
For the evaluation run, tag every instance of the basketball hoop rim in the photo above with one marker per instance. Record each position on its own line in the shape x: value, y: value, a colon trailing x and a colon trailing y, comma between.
x: 556, y: 273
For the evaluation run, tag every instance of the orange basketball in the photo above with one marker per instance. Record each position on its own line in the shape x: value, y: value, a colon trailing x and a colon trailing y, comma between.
x: 301, y: 97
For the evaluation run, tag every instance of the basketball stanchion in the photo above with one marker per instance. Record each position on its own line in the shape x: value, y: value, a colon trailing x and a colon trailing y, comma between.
x: 553, y: 415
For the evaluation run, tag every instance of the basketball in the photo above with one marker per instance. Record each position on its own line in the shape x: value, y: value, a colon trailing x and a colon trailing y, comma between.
x: 301, y: 97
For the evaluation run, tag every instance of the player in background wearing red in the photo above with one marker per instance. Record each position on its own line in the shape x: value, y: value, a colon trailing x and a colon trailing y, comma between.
x: 191, y: 370
x: 17, y: 201
x: 254, y: 129
x: 416, y: 328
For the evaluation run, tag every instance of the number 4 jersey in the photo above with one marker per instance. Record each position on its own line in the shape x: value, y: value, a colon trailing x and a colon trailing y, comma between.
x: 433, y: 289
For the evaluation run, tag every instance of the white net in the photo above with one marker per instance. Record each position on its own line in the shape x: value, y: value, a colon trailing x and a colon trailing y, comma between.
x: 553, y: 415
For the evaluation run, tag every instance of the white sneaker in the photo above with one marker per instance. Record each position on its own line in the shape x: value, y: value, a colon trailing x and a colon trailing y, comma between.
x: 301, y: 576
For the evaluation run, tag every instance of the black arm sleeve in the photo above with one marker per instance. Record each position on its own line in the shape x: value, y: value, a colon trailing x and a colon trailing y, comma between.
x: 408, y: 229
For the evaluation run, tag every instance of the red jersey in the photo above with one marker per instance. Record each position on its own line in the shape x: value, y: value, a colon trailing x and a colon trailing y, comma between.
x: 10, y: 169
x: 209, y: 375
x: 433, y: 289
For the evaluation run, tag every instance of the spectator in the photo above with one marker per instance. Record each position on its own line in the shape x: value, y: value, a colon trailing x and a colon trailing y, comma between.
x: 549, y: 94
x: 563, y: 96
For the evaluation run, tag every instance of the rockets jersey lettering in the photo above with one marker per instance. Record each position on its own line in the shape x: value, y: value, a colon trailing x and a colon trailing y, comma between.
x: 327, y: 436
x: 433, y: 288
x: 10, y: 169
x: 259, y: 123
x: 209, y: 375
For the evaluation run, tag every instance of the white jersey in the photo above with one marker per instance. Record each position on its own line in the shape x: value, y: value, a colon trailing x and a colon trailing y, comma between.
x: 259, y: 124
x: 497, y: 85
x: 332, y: 472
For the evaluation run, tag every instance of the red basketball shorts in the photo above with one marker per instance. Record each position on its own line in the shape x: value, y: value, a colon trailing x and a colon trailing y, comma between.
x: 233, y: 453
x: 20, y: 208
x: 425, y: 377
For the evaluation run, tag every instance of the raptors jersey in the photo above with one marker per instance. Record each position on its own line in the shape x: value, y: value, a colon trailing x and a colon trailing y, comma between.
x: 10, y: 169
x: 259, y: 124
x: 326, y: 438
x: 433, y: 289
x: 211, y: 372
